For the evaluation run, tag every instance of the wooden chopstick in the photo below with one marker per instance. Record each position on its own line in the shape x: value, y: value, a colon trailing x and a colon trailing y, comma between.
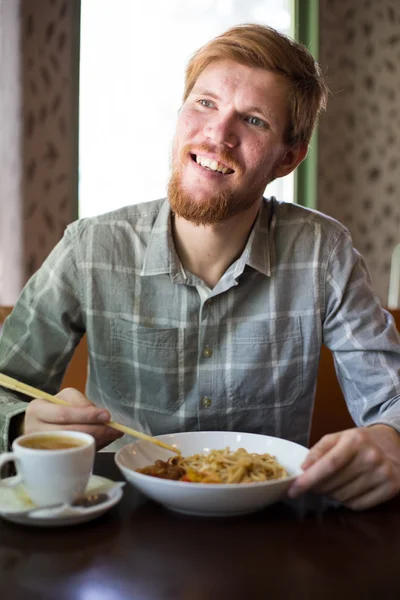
x: 28, y: 390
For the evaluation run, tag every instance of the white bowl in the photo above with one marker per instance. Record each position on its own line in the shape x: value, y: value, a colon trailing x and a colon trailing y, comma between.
x: 210, y: 499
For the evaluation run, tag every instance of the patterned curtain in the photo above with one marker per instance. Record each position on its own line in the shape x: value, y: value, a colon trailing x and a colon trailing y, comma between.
x: 11, y: 251
x: 39, y: 46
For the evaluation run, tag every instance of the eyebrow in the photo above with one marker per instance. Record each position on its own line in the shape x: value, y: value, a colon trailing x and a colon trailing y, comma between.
x: 267, y: 114
x: 204, y: 92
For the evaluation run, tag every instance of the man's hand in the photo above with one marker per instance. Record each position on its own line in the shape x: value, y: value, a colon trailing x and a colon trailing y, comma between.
x: 359, y: 467
x: 83, y: 415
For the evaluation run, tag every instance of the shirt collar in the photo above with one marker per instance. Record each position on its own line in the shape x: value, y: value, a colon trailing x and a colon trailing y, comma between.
x: 257, y: 252
x: 161, y: 257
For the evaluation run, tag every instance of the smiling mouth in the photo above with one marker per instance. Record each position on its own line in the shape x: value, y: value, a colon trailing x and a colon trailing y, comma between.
x: 211, y: 165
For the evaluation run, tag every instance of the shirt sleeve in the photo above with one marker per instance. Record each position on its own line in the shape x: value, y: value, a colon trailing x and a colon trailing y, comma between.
x: 363, y: 338
x: 38, y: 338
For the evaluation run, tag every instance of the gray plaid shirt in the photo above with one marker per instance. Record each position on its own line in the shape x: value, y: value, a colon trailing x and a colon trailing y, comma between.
x: 173, y: 356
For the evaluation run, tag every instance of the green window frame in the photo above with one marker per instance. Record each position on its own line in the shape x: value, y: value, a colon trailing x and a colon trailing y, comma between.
x: 306, y: 19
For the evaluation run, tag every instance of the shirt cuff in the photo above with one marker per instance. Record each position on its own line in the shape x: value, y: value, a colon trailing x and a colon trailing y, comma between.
x: 395, y: 426
x: 5, y: 441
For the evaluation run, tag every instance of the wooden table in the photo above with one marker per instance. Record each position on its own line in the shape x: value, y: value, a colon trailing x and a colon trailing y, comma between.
x: 141, y: 551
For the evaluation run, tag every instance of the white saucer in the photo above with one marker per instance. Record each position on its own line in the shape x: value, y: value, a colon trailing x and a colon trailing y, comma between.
x: 16, y: 499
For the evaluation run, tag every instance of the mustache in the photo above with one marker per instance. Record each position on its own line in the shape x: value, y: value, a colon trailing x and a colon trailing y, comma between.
x: 223, y: 155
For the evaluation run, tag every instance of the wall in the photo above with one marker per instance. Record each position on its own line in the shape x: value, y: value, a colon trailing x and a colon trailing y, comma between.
x: 50, y: 130
x: 359, y: 135
x: 11, y: 251
x: 38, y: 135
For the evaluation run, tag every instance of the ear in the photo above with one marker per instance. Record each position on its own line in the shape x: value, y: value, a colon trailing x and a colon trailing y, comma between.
x: 291, y: 158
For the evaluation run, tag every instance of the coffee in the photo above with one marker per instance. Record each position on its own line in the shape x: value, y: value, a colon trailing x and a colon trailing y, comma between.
x: 53, y: 466
x: 52, y: 442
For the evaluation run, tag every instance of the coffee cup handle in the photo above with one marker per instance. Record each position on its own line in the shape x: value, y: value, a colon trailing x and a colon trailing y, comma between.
x: 4, y: 459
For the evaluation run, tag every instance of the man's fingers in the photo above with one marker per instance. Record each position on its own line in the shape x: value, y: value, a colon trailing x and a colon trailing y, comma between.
x: 57, y: 414
x: 320, y: 448
x: 343, y: 478
x: 358, y: 467
x: 328, y: 464
x: 357, y: 487
x: 368, y: 468
x: 80, y: 414
x: 360, y: 480
x: 372, y: 497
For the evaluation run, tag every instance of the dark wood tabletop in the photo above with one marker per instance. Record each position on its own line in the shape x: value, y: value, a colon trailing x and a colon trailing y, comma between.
x: 139, y: 550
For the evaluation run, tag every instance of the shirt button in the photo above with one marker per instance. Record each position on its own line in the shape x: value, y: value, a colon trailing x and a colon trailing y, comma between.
x: 207, y: 352
x: 206, y: 402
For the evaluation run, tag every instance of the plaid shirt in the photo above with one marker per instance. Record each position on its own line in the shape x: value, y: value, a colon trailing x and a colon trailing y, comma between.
x: 173, y: 356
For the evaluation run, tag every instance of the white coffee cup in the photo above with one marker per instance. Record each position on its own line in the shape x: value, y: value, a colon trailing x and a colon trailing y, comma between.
x: 55, y: 475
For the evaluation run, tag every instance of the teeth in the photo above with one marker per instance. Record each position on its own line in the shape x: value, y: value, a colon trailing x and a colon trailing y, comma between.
x: 212, y: 164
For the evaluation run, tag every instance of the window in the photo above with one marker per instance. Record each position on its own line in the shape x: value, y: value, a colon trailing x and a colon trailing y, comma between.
x: 133, y: 56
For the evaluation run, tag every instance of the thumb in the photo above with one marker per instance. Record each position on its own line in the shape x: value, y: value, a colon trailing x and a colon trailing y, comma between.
x: 73, y: 396
x: 76, y: 398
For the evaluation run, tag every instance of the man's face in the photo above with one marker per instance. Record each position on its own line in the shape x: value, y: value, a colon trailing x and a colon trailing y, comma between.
x: 228, y: 143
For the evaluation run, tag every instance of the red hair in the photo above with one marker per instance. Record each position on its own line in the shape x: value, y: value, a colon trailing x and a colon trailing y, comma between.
x: 261, y: 46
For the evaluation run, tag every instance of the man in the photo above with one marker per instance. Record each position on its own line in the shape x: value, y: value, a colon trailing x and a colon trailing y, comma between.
x: 208, y: 310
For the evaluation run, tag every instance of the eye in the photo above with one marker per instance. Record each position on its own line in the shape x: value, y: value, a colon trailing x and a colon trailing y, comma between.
x: 256, y: 122
x: 205, y: 103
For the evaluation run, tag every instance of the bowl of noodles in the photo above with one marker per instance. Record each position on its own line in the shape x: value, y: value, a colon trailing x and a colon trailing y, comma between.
x: 218, y: 473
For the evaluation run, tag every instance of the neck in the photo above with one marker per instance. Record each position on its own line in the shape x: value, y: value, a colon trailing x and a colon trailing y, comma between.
x: 208, y: 251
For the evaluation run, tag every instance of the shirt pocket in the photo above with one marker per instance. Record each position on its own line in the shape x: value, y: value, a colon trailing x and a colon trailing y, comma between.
x: 145, y: 365
x: 266, y: 364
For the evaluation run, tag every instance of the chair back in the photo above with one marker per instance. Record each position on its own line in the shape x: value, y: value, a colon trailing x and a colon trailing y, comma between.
x: 4, y: 312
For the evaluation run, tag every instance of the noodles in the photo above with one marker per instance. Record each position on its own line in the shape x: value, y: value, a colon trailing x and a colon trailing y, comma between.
x: 224, y: 466
x: 219, y: 466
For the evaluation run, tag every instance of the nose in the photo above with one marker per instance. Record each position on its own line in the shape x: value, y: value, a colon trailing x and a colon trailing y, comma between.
x: 220, y: 130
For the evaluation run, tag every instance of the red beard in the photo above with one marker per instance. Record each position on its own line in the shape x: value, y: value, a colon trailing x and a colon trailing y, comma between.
x: 218, y: 207
x: 214, y: 210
